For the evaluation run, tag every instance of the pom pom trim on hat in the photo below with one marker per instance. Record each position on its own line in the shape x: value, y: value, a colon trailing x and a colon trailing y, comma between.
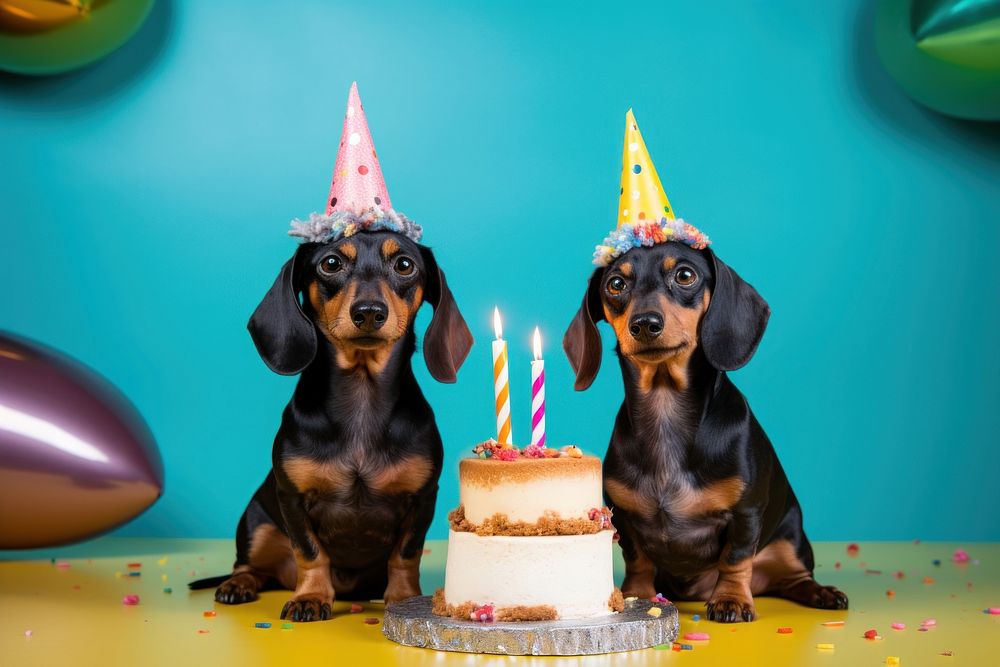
x: 629, y: 236
x: 341, y: 224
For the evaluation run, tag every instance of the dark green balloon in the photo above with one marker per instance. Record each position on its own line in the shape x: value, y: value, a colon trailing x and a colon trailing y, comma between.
x: 944, y: 53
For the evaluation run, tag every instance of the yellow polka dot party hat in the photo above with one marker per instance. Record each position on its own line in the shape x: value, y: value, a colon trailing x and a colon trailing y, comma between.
x: 645, y: 216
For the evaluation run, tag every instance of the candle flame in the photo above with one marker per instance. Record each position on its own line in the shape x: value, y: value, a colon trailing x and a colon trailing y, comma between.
x: 497, y: 327
x: 537, y: 344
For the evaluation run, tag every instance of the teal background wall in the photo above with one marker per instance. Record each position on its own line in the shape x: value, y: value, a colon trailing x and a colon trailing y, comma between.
x: 145, y: 203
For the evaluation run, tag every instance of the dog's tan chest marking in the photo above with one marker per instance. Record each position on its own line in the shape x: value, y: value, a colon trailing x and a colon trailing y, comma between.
x: 679, y: 500
x: 341, y: 476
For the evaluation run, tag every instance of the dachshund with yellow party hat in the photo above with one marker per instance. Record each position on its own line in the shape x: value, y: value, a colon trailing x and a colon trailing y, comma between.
x: 356, y: 460
x: 701, y: 502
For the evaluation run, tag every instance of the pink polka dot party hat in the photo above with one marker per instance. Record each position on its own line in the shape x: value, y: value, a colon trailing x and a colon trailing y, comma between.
x: 359, y: 200
x: 645, y: 216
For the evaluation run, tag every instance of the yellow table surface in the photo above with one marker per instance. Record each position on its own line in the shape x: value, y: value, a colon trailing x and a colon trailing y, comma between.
x: 74, y: 612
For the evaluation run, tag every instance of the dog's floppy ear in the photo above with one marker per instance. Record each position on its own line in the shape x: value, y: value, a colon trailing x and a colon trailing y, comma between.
x: 447, y: 340
x: 582, y: 342
x: 284, y: 336
x: 735, y: 321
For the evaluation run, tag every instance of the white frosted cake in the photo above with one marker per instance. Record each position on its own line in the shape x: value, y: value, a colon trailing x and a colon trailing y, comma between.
x: 530, y: 540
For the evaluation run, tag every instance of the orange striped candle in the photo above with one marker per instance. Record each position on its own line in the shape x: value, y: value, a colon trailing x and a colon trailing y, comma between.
x: 501, y: 383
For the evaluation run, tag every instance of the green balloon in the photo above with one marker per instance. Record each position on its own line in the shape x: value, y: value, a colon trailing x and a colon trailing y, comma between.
x: 944, y: 53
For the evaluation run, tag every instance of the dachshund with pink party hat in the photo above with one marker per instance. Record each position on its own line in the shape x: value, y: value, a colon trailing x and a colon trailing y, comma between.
x: 703, y: 506
x: 356, y: 460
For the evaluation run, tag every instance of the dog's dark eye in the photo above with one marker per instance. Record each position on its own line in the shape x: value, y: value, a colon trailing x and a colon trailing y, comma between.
x: 617, y: 285
x: 331, y: 264
x: 404, y: 266
x: 685, y: 276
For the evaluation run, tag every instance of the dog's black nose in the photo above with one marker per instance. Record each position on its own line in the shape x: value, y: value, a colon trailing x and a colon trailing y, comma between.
x: 369, y: 315
x: 644, y: 327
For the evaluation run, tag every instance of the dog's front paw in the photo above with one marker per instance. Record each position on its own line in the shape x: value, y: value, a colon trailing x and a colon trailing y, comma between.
x: 813, y: 594
x: 634, y: 587
x: 238, y: 589
x: 729, y: 609
x: 399, y: 593
x: 307, y: 608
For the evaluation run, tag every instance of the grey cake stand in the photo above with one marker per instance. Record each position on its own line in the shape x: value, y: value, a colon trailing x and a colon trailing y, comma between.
x: 411, y: 623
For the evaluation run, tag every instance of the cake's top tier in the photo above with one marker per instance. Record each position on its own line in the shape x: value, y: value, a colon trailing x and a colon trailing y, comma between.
x: 530, y: 491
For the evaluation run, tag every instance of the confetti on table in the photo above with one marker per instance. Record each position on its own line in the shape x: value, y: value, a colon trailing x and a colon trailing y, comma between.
x: 202, y: 631
x: 890, y: 593
x: 836, y: 566
x: 371, y: 621
x: 286, y: 626
x: 853, y: 549
x: 63, y: 564
x: 696, y: 618
x: 130, y: 600
x: 208, y: 614
x: 833, y: 624
x: 784, y: 631
x: 936, y: 562
x: 135, y: 574
x: 928, y: 580
x: 947, y: 654
x: 825, y: 647
x: 133, y: 566
x: 29, y: 633
x: 898, y: 574
x: 898, y: 626
x: 262, y: 624
x: 871, y: 634
x: 696, y: 636
x: 356, y: 608
x: 960, y: 556
x: 892, y: 660
x: 687, y: 647
x: 168, y: 590
x: 163, y: 561
x: 661, y: 647
x: 929, y: 622
x: 163, y: 578
x: 654, y: 612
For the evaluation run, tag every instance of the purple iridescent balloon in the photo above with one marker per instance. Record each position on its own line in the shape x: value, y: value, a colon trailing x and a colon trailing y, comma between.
x: 76, y: 459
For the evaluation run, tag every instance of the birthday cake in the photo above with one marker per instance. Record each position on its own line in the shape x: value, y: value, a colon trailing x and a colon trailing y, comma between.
x: 530, y: 540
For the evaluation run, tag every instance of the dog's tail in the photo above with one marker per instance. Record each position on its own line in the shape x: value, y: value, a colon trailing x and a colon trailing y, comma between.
x: 210, y: 582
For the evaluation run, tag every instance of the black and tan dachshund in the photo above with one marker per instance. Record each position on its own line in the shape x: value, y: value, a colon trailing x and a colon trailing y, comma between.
x: 702, y: 505
x: 356, y: 460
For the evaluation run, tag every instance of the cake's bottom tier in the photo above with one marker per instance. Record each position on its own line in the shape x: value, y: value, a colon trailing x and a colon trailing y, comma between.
x: 532, y: 578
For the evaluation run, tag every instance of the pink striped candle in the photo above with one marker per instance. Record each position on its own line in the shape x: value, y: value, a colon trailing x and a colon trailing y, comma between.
x: 538, y: 393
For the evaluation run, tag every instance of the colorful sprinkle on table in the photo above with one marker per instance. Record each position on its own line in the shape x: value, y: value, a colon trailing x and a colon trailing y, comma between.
x: 356, y: 608
x: 286, y: 626
x: 960, y: 556
x: 871, y: 634
x: 262, y: 624
x: 168, y: 590
x: 208, y: 614
x: 898, y: 626
x: 784, y: 631
x: 29, y: 633
x: 928, y: 580
x: 130, y: 600
x: 825, y: 647
x: 853, y: 549
x: 63, y: 564
x: 163, y: 561
x: 134, y: 566
x: 135, y: 574
x: 898, y: 574
x: 697, y: 636
x: 890, y: 593
x: 371, y: 621
x: 687, y: 647
x: 892, y: 660
x: 659, y: 599
x: 696, y: 618
x: 833, y: 624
